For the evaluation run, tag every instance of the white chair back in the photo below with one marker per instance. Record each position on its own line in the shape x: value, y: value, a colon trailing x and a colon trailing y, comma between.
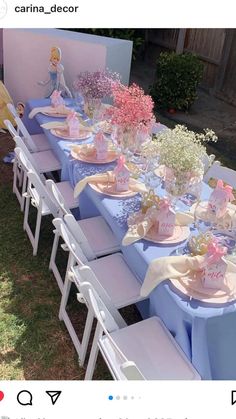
x: 23, y: 160
x: 83, y: 273
x: 57, y: 196
x: 208, y: 161
x: 12, y: 109
x: 20, y: 143
x: 70, y: 241
x: 108, y: 324
x: 217, y: 171
x: 69, y: 219
x: 37, y: 183
x: 10, y: 128
x: 76, y: 230
x: 21, y: 127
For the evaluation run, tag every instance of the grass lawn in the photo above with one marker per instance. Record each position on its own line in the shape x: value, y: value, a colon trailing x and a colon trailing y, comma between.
x: 34, y: 344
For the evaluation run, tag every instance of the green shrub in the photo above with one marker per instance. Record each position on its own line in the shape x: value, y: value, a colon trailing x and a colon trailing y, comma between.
x: 177, y: 78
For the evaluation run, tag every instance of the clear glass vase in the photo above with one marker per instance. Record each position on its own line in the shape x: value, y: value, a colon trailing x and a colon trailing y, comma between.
x: 177, y: 184
x: 128, y: 141
x: 92, y: 108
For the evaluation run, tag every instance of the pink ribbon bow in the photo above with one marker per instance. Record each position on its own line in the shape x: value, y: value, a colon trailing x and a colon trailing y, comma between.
x: 55, y: 94
x: 121, y: 162
x: 215, y: 252
x: 227, y: 189
x: 71, y: 117
x: 164, y: 204
x: 99, y: 136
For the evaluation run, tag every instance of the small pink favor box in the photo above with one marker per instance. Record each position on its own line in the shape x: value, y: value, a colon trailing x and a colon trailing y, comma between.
x: 215, y: 266
x: 122, y: 175
x: 73, y: 124
x: 166, y: 220
x: 56, y: 99
x: 213, y: 275
x: 220, y: 198
x: 101, y: 146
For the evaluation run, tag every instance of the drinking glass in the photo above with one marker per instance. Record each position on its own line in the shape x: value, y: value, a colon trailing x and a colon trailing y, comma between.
x: 78, y: 100
x: 203, y: 222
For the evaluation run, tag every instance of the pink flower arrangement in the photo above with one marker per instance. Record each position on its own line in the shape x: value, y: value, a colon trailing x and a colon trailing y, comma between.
x: 96, y: 85
x: 132, y: 108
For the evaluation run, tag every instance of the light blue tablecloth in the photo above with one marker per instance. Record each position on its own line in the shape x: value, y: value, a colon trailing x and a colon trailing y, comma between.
x: 206, y: 332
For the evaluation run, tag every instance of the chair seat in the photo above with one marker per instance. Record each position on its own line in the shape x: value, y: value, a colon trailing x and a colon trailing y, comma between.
x: 152, y: 348
x: 99, y: 235
x: 46, y: 161
x: 124, y: 289
x: 68, y: 194
x: 40, y: 141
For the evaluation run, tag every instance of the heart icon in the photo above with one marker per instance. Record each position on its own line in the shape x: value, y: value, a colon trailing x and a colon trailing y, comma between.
x: 1, y: 395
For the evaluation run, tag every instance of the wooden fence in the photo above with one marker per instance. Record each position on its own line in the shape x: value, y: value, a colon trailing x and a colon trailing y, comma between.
x: 215, y: 47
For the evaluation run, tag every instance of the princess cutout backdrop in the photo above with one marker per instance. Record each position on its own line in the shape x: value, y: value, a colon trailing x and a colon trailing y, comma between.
x: 56, y: 80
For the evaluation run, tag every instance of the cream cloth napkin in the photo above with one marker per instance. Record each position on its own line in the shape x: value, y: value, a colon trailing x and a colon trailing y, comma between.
x: 53, y: 124
x: 85, y: 149
x: 173, y: 267
x: 61, y: 124
x: 138, y: 231
x: 106, y: 177
x: 228, y: 221
x: 48, y: 109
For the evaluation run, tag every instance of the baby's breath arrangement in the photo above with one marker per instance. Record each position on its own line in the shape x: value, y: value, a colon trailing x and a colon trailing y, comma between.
x: 183, y: 150
x: 150, y: 150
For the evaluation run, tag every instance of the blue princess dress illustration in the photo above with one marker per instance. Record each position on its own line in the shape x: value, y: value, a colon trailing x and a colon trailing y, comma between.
x: 56, y: 80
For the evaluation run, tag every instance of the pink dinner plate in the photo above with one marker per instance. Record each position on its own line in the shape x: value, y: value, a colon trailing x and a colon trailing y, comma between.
x: 193, y: 287
x: 63, y: 133
x: 180, y: 234
x: 87, y: 154
x: 110, y: 190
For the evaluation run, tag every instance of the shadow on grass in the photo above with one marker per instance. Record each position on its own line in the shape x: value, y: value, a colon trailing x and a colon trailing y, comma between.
x: 34, y: 343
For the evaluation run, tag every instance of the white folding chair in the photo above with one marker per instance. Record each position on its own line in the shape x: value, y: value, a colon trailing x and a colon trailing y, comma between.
x: 35, y: 142
x: 19, y: 183
x: 142, y: 351
x: 39, y: 197
x: 44, y: 161
x: 207, y: 161
x: 217, y: 171
x: 110, y: 275
x: 93, y: 234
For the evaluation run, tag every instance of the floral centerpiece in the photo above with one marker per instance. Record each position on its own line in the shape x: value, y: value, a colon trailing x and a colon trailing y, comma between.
x: 182, y: 151
x: 94, y: 86
x: 132, y: 112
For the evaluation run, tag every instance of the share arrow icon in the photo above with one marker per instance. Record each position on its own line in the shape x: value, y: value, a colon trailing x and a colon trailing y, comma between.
x: 54, y: 395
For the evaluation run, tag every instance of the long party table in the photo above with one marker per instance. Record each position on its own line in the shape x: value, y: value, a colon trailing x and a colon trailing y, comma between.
x: 206, y: 332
